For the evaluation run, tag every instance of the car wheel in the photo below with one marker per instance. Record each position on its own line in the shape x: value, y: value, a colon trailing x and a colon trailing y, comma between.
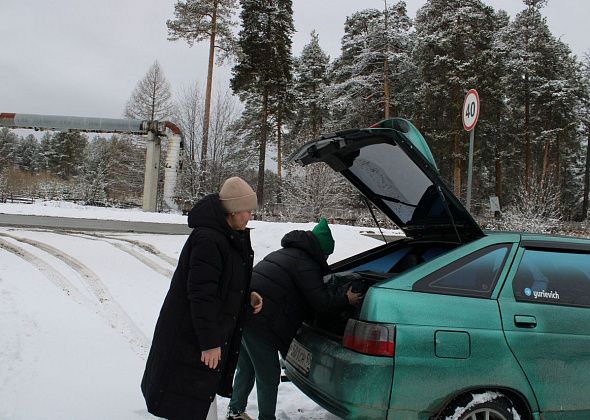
x: 485, y: 406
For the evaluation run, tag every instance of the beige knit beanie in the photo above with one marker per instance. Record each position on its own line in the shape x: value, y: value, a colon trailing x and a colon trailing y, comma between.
x: 236, y: 195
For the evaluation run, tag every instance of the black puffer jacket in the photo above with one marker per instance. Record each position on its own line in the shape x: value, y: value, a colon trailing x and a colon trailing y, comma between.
x: 290, y: 281
x: 204, y: 309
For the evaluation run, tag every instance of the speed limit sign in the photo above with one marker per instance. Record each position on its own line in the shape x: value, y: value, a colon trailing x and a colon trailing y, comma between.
x: 470, y: 110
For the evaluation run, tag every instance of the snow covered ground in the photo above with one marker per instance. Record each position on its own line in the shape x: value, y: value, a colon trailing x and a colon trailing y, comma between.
x: 77, y: 312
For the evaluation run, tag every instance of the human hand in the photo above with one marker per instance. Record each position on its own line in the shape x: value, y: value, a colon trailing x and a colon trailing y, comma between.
x: 255, y: 302
x: 354, y: 299
x: 211, y: 357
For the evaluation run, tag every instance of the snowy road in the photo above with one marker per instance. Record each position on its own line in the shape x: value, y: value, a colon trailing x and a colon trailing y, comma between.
x: 77, y: 312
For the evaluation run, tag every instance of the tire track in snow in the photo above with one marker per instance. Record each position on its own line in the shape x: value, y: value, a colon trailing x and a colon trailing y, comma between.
x: 109, y: 307
x: 116, y: 242
x: 166, y: 272
x: 47, y: 270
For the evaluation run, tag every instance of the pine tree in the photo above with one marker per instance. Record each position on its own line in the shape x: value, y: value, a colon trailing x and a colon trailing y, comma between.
x: 543, y: 101
x: 366, y: 77
x: 199, y: 20
x: 454, y: 41
x: 496, y: 152
x: 317, y: 186
x: 585, y: 116
x: 308, y: 91
x: 67, y: 155
x: 28, y: 154
x: 264, y: 65
x: 8, y: 148
x: 92, y: 182
x: 45, y: 152
x: 126, y: 171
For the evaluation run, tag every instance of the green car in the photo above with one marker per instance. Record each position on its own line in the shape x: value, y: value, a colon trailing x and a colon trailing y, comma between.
x: 457, y: 323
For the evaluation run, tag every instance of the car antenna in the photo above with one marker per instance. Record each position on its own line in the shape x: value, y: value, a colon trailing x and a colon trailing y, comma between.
x: 374, y: 218
x: 446, y: 206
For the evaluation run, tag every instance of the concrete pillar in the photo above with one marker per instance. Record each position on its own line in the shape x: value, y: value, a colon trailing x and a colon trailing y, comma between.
x: 171, y: 170
x: 152, y: 166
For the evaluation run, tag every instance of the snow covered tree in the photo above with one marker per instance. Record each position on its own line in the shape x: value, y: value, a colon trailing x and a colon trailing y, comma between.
x: 126, y: 171
x: 62, y: 153
x: 308, y: 91
x: 585, y: 111
x: 453, y: 44
x: 8, y: 148
x: 151, y: 98
x: 93, y: 178
x: 543, y: 93
x: 316, y: 185
x: 366, y: 77
x: 200, y: 20
x: 536, y: 209
x: 264, y: 64
x: 28, y: 154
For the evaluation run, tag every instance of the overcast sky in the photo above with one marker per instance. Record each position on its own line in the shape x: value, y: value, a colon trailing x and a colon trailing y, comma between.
x: 84, y: 57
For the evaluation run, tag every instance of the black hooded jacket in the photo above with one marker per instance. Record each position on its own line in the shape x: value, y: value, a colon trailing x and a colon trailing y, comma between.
x: 290, y: 281
x: 205, y: 308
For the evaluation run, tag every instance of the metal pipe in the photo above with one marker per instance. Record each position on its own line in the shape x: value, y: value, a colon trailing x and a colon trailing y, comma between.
x: 153, y: 130
x: 64, y: 123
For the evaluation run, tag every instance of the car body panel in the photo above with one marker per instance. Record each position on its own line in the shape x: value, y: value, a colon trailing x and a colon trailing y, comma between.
x: 431, y: 344
x: 552, y: 343
x: 484, y: 362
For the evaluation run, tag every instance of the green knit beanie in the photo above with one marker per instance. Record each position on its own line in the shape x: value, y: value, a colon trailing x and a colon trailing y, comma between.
x: 322, y: 232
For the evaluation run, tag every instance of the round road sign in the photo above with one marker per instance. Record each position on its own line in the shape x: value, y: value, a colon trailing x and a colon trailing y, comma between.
x: 470, y: 110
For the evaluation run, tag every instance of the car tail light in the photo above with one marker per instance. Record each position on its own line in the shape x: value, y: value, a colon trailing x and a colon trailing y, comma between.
x: 369, y: 338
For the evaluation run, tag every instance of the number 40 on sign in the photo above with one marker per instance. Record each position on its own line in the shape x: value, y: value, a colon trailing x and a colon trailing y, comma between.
x: 470, y: 110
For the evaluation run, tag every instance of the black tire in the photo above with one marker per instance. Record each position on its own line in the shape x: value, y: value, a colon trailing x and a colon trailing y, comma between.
x: 491, y: 405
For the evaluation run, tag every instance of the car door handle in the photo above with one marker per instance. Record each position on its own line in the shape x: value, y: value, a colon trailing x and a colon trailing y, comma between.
x: 525, y: 321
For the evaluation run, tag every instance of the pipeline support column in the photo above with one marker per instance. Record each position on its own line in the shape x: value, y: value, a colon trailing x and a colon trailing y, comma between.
x: 152, y: 166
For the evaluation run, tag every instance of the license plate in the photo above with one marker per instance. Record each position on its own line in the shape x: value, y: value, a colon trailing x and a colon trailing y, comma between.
x: 299, y: 357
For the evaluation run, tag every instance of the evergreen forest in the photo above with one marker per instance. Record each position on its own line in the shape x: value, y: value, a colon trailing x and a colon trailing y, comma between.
x: 531, y: 140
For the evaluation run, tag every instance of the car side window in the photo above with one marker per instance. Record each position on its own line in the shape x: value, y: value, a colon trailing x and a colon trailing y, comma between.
x: 554, y: 277
x: 473, y: 275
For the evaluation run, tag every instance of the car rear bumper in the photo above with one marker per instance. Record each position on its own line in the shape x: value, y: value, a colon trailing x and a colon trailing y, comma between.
x: 348, y: 384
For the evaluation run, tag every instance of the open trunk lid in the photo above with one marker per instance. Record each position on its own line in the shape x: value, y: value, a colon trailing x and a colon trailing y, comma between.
x: 391, y: 164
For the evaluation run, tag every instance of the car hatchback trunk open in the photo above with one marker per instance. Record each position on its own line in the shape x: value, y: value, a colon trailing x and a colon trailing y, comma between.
x: 391, y: 165
x: 455, y: 323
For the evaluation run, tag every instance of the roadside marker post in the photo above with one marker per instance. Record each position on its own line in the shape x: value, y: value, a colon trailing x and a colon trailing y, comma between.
x: 470, y: 115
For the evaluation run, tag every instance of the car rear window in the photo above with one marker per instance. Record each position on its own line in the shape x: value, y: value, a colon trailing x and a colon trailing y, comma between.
x: 398, y: 181
x: 553, y: 277
x: 473, y: 275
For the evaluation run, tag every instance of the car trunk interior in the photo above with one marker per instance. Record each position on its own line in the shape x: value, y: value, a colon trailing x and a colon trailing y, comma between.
x: 369, y: 268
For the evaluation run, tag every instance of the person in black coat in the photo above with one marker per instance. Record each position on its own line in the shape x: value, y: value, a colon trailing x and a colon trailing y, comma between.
x: 197, y: 336
x: 290, y: 280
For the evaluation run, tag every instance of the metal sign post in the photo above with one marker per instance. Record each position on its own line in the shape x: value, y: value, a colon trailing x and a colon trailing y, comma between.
x: 470, y: 116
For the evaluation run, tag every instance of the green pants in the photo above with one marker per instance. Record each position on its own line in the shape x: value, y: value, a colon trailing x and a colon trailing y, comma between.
x: 258, y: 361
